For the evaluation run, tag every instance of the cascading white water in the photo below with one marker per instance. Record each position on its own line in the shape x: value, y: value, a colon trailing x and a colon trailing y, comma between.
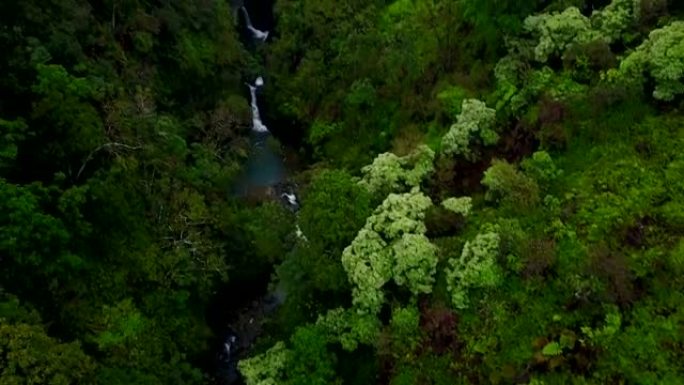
x: 258, y: 34
x: 257, y: 124
x: 291, y: 199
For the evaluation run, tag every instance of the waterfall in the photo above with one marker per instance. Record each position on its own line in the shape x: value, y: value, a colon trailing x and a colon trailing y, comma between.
x: 291, y: 199
x: 257, y: 124
x: 258, y: 34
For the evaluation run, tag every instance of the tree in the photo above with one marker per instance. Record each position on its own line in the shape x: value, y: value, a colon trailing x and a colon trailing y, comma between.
x: 541, y: 168
x: 399, y: 214
x: 662, y: 57
x: 461, y: 205
x: 556, y: 32
x: 120, y: 325
x: 495, y: 19
x: 640, y: 344
x: 307, y: 361
x: 385, y: 174
x: 414, y: 52
x: 415, y: 263
x: 30, y: 356
x: 311, y: 361
x: 391, y: 173
x: 267, y: 368
x: 334, y: 209
x: 29, y: 236
x: 349, y: 328
x: 405, y: 333
x: 476, y: 121
x: 475, y: 268
x: 117, y: 152
x: 368, y: 264
x: 616, y: 18
x: 372, y: 259
x: 508, y: 185
x: 11, y: 132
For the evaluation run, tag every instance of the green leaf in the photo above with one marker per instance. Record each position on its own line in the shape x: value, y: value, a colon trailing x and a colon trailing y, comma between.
x: 552, y: 349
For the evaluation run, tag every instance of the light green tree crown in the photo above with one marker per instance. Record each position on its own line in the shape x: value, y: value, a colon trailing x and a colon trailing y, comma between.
x: 391, y: 173
x: 392, y: 244
x: 475, y: 268
x: 662, y: 57
x: 476, y: 120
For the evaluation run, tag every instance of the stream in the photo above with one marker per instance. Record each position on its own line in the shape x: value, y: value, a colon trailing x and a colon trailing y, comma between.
x: 264, y: 175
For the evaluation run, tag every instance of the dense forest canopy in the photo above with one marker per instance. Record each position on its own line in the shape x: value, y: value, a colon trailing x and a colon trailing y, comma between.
x: 490, y: 192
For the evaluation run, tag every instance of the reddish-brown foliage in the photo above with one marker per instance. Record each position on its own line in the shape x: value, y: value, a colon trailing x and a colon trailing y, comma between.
x: 613, y: 270
x: 550, y: 121
x: 516, y: 143
x: 456, y: 177
x: 442, y: 222
x: 439, y: 325
x: 540, y: 255
x: 597, y: 54
x: 636, y: 235
x: 650, y: 11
